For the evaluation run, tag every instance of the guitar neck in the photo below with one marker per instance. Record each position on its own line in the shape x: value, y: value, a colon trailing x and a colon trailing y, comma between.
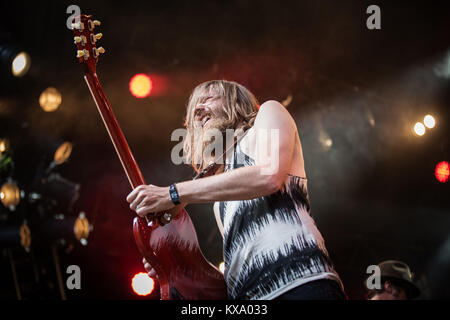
x: 129, y: 164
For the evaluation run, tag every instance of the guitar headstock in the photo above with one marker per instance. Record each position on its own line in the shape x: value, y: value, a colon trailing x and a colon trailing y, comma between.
x: 86, y: 41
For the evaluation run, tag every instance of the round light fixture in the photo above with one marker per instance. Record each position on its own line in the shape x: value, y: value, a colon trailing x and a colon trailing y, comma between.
x: 50, y: 99
x: 10, y: 195
x: 63, y: 153
x: 20, y: 64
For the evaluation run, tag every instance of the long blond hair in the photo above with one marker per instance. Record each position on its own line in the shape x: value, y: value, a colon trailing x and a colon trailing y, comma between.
x: 239, y: 105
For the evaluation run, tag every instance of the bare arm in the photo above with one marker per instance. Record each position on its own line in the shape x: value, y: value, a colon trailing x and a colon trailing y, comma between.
x: 275, y: 131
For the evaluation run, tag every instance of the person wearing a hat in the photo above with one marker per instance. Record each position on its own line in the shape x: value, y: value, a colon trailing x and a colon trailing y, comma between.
x: 396, y: 282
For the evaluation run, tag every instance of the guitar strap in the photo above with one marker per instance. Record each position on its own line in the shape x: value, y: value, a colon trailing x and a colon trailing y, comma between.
x: 213, y: 167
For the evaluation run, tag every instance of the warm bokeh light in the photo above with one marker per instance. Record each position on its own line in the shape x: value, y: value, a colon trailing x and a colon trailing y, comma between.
x: 82, y: 228
x: 442, y: 171
x: 222, y: 267
x: 20, y: 65
x: 142, y: 284
x: 325, y: 140
x: 62, y: 153
x: 419, y: 129
x: 25, y: 236
x: 10, y: 194
x: 50, y: 99
x: 429, y: 121
x: 4, y: 145
x: 141, y: 86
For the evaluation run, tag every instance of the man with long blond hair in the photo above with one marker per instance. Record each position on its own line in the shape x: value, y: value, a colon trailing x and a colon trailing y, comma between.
x: 272, y: 247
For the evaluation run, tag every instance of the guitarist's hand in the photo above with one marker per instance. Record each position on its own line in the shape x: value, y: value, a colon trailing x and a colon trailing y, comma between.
x: 151, y: 272
x: 146, y: 199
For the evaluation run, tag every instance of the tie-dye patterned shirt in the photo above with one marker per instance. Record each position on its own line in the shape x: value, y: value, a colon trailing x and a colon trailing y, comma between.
x: 271, y: 244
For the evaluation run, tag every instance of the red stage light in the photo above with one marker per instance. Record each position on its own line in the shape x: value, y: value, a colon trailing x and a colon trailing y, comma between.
x: 442, y: 171
x: 142, y: 284
x: 141, y: 85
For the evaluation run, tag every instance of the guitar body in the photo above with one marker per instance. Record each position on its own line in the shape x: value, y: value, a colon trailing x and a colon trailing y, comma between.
x: 174, y: 253
x: 172, y: 249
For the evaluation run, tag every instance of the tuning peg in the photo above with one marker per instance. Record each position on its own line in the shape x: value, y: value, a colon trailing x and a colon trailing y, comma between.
x: 78, y: 25
x: 95, y: 38
x: 98, y: 51
x: 81, y: 39
x: 92, y: 24
x: 83, y: 54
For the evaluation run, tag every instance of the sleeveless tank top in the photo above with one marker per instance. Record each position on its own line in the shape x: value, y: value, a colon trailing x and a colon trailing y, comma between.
x: 271, y: 244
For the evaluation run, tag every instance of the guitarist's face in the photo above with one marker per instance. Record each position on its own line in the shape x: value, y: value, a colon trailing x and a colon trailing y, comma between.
x: 209, y: 116
x: 213, y: 107
x: 209, y: 112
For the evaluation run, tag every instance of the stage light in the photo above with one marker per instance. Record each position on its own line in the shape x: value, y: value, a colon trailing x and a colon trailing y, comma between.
x: 10, y: 195
x: 141, y: 86
x: 58, y: 192
x: 222, y: 267
x: 442, y: 171
x: 419, y: 129
x: 50, y: 99
x: 142, y: 284
x: 64, y: 229
x: 429, y: 121
x: 4, y: 145
x: 62, y: 153
x: 82, y: 228
x: 324, y: 139
x: 286, y: 102
x: 20, y: 64
x: 17, y: 61
x: 16, y: 235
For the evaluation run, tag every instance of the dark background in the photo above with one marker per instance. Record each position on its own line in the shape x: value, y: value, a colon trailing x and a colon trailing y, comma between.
x: 373, y: 193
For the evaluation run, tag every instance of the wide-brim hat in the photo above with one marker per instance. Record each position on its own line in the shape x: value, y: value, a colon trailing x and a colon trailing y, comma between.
x: 399, y: 272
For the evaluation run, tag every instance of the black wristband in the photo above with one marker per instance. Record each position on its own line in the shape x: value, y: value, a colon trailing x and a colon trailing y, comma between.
x: 174, y: 194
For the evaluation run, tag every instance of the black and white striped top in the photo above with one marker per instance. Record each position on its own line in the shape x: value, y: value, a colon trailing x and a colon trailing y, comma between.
x: 271, y: 244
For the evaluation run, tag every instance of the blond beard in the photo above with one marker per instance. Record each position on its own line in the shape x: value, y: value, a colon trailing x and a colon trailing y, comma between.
x: 203, y: 142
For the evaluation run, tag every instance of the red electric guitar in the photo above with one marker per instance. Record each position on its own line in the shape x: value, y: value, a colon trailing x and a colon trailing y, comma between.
x: 168, y: 241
